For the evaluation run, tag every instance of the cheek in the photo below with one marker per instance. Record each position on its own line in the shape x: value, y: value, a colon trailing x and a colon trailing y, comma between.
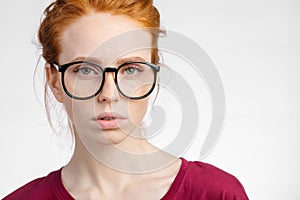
x: 79, y: 112
x: 137, y: 110
x: 68, y: 104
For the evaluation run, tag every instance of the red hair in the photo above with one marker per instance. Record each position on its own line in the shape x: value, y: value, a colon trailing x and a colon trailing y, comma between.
x: 62, y: 13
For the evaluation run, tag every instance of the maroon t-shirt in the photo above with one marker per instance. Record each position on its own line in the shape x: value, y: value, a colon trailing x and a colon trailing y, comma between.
x: 194, y: 181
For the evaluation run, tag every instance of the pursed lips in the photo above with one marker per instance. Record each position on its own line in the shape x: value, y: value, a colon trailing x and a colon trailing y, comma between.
x: 109, y: 120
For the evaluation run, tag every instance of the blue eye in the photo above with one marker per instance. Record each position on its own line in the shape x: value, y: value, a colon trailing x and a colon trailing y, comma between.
x: 84, y: 70
x: 130, y: 70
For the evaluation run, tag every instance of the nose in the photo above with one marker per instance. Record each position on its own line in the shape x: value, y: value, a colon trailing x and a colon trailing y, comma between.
x: 109, y: 91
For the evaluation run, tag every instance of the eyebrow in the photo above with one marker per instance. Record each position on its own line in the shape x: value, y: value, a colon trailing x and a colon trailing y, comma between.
x: 90, y: 59
x: 130, y: 59
x: 119, y: 61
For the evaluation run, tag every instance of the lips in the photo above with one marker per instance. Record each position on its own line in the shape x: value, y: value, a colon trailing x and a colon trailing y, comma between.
x: 109, y: 120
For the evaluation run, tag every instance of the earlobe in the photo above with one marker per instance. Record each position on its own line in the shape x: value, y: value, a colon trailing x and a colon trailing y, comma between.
x: 52, y: 77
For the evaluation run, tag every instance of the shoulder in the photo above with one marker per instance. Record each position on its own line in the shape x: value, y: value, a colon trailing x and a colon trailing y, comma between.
x: 214, y: 182
x: 40, y: 188
x: 204, y: 173
x: 199, y: 180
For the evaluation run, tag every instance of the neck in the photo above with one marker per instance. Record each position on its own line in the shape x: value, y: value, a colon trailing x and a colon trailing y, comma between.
x: 114, y: 166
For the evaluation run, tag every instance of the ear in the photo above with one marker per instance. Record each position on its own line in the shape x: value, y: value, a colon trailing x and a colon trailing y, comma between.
x: 53, y: 80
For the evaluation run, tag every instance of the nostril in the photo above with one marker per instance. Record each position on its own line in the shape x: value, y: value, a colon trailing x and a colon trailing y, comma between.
x: 109, y: 92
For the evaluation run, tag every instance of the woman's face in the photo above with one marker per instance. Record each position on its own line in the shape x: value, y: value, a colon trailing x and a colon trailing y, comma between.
x: 108, y: 118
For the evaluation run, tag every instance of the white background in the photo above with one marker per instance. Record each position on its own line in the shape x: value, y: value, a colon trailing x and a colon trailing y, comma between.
x: 255, y: 46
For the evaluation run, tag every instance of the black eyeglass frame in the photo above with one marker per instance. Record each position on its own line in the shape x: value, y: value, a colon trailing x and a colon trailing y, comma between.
x: 64, y: 67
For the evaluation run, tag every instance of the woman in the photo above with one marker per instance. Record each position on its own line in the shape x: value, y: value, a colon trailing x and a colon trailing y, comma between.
x: 102, y: 65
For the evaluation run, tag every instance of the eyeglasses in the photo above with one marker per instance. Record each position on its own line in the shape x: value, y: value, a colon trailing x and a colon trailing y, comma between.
x: 84, y: 80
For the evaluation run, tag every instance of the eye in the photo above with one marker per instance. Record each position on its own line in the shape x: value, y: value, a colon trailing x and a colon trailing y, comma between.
x: 131, y: 69
x: 86, y: 70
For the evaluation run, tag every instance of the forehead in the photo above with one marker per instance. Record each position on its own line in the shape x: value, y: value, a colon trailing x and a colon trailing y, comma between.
x: 104, y: 36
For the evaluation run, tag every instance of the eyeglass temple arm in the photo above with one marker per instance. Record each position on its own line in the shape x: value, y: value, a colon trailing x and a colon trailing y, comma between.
x: 57, y: 67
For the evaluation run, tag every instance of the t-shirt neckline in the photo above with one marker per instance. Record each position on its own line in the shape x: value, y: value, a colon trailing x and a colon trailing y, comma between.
x: 177, y: 181
x: 62, y: 192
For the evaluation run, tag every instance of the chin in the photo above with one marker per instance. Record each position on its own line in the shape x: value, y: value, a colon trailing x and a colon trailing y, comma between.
x: 112, y: 136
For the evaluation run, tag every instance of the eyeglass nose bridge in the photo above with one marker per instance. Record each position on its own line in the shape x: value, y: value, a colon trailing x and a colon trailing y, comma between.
x: 109, y: 69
